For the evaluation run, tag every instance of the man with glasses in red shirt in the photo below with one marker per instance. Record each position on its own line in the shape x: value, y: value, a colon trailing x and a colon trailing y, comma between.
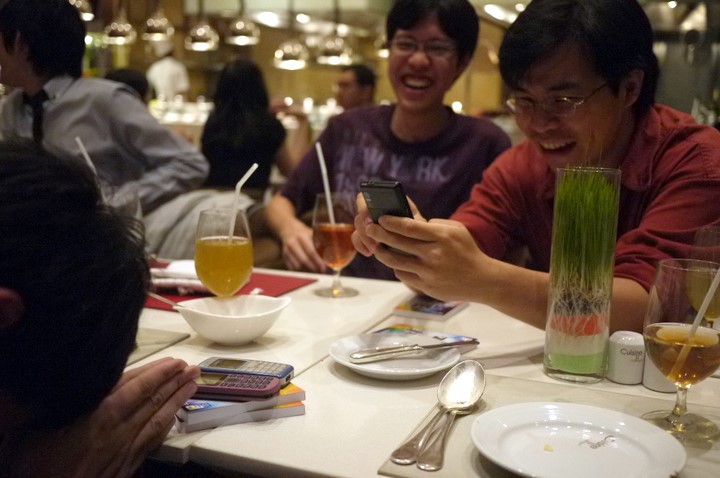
x: 437, y: 154
x: 582, y: 77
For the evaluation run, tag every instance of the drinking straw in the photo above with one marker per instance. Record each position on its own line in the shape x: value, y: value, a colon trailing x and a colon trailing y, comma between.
x: 326, y: 183
x: 236, y: 202
x: 700, y: 314
x: 85, y: 154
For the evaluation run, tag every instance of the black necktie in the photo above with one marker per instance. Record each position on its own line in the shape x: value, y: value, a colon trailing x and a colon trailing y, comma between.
x: 36, y: 103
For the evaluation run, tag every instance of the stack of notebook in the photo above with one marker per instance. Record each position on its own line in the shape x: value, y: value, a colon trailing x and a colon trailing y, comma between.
x: 198, y: 414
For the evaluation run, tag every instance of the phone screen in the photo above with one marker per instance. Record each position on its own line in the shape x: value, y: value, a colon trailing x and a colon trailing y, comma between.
x: 211, y: 378
x: 228, y: 363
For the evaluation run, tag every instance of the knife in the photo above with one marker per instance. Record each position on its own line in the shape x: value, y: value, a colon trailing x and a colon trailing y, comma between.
x: 376, y: 354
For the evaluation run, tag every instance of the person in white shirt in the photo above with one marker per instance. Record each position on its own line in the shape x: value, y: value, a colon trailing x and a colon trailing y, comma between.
x: 167, y: 76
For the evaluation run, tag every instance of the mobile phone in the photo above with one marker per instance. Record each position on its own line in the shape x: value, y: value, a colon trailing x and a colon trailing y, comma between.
x: 229, y: 385
x: 385, y: 197
x: 281, y: 371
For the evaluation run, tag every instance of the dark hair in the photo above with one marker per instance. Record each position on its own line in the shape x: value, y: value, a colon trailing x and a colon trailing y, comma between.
x: 241, y: 122
x: 82, y: 274
x: 457, y: 18
x: 52, y: 30
x: 615, y: 35
x: 364, y: 75
x: 133, y: 78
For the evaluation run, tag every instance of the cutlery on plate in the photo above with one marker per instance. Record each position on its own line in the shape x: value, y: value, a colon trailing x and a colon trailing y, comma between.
x: 385, y: 353
x: 458, y: 395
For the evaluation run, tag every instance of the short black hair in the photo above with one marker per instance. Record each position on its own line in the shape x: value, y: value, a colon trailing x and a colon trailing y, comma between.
x: 52, y: 30
x: 364, y: 75
x: 457, y: 18
x: 82, y: 274
x: 614, y: 34
x: 133, y: 78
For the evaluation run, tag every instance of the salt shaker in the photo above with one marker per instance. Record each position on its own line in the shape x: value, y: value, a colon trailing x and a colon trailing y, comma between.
x: 626, y: 357
x: 655, y: 380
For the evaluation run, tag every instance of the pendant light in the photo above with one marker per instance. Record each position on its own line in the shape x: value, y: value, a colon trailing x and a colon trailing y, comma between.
x: 291, y: 54
x: 120, y: 32
x: 202, y: 36
x: 84, y: 8
x: 332, y: 49
x: 158, y: 26
x: 242, y: 30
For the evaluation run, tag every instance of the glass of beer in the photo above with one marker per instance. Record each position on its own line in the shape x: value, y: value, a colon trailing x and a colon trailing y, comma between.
x: 223, y: 250
x: 332, y: 238
x: 684, y: 354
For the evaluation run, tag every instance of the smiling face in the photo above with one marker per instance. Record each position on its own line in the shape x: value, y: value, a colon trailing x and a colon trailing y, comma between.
x: 599, y: 131
x: 420, y: 80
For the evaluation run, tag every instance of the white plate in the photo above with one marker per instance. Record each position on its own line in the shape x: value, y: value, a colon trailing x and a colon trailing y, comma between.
x: 563, y: 439
x: 404, y: 368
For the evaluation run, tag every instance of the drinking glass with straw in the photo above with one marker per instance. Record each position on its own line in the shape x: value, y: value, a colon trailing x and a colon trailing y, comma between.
x: 223, y: 246
x: 333, y: 225
x: 681, y: 347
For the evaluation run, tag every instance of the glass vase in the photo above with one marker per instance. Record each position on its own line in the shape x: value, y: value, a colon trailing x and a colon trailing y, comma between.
x: 581, y: 273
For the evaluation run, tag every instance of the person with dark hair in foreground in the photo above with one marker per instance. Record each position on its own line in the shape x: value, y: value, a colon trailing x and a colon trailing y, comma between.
x: 582, y: 79
x: 73, y: 277
x: 437, y: 154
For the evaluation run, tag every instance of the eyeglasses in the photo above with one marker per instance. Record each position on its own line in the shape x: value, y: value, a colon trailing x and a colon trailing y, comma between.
x: 561, y: 107
x: 433, y: 48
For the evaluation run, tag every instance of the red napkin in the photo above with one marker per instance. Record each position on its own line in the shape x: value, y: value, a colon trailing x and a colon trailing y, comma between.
x: 271, y: 284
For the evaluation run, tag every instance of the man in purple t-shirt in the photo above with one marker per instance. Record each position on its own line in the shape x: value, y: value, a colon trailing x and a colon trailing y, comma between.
x: 437, y: 154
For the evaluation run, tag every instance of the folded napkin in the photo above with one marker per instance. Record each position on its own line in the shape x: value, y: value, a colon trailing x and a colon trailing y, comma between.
x: 176, y: 275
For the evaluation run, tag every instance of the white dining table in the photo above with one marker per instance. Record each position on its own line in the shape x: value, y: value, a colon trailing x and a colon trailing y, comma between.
x: 353, y: 422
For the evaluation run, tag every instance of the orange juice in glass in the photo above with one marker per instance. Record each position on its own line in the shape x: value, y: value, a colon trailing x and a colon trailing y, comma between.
x: 223, y: 262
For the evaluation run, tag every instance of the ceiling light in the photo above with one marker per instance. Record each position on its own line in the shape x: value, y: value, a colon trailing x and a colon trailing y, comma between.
x: 242, y: 30
x: 158, y: 27
x: 120, y: 32
x: 333, y: 50
x: 202, y: 36
x: 291, y: 54
x: 84, y: 8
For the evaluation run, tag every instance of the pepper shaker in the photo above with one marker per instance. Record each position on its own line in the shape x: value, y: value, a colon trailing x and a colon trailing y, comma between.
x: 626, y: 357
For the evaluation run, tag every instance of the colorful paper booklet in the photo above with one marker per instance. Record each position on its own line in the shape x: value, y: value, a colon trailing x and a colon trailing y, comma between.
x: 199, y: 414
x: 424, y: 307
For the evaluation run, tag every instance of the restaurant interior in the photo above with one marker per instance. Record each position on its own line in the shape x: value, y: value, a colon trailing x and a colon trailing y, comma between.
x: 350, y: 417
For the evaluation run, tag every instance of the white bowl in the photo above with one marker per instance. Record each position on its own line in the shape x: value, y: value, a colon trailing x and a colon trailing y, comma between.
x: 234, y: 321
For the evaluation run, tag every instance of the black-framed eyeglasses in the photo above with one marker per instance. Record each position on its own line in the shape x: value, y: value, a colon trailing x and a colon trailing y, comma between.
x: 432, y: 48
x: 561, y: 106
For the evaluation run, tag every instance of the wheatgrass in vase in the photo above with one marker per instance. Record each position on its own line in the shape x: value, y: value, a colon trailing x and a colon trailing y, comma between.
x: 223, y: 251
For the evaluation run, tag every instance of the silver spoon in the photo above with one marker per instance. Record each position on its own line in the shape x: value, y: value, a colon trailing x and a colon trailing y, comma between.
x: 458, y: 395
x: 164, y: 299
x: 408, y: 452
